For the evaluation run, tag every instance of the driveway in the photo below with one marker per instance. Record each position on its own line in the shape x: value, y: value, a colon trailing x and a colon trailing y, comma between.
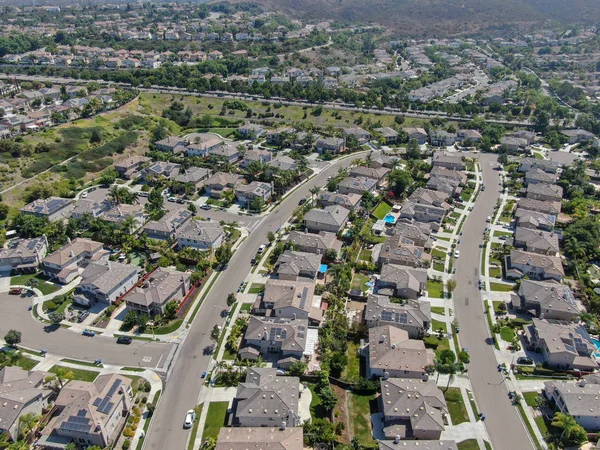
x: 505, y: 428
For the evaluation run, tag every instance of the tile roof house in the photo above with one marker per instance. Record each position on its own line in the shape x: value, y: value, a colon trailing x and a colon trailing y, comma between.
x: 283, y: 162
x: 361, y: 135
x: 168, y: 225
x: 92, y: 208
x: 91, y: 413
x: 577, y: 399
x: 24, y: 255
x: 266, y: 399
x: 293, y: 265
x: 201, y: 235
x: 527, y: 164
x: 446, y: 185
x: 160, y: 169
x: 412, y: 316
x: 129, y: 167
x: 578, y: 135
x: 535, y: 220
x: 547, y: 300
x: 389, y: 135
x: 330, y: 218
x: 448, y: 161
x: 194, y: 175
x: 539, y: 267
x: 416, y: 445
x: 392, y: 354
x: 529, y: 136
x: 202, y: 144
x: 441, y: 138
x: 546, y: 207
x: 400, y: 251
x: 545, y: 192
x: 417, y: 133
x: 257, y: 189
x: 250, y: 131
x: 315, y: 243
x: 220, y: 182
x: 401, y: 281
x: 21, y: 392
x: 348, y: 201
x: 514, y: 143
x: 286, y: 338
x: 118, y: 213
x: 63, y: 264
x: 430, y: 197
x: 52, y: 208
x: 538, y: 176
x: 412, y: 409
x: 105, y: 281
x: 473, y: 135
x: 368, y: 172
x: 256, y: 438
x: 352, y: 185
x: 169, y: 143
x: 330, y: 145
x: 159, y: 288
x: 289, y: 300
x: 226, y: 152
x: 536, y: 241
x: 261, y: 156
x: 424, y: 213
x: 418, y: 233
x: 564, y: 345
x: 457, y: 176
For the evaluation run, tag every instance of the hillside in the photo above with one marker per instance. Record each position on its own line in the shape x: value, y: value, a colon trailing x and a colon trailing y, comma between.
x: 438, y: 17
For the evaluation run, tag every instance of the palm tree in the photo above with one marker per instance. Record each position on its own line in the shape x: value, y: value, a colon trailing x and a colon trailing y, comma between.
x: 314, y: 190
x: 588, y: 318
x: 128, y: 225
x: 228, y: 196
x: 115, y: 194
x: 451, y: 370
x: 565, y: 422
x: 220, y: 366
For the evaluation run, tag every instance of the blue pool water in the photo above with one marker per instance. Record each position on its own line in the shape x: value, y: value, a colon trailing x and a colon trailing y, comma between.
x: 597, y: 344
x: 389, y: 219
x: 369, y: 284
x: 323, y: 268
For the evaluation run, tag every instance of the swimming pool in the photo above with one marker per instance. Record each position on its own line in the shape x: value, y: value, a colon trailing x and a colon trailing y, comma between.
x: 597, y: 344
x: 389, y: 218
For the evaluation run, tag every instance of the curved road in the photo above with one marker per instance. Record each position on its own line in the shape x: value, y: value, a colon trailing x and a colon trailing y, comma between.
x: 184, y: 384
x: 505, y: 428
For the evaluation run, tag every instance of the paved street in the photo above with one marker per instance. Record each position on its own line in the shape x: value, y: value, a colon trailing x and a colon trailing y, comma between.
x: 59, y: 341
x: 183, y: 386
x: 503, y: 421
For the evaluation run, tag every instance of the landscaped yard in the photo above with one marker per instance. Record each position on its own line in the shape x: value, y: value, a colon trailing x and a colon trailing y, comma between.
x: 44, y: 287
x: 316, y: 410
x: 469, y: 444
x: 359, y: 408
x: 352, y: 370
x: 435, y: 289
x: 437, y: 253
x: 507, y: 334
x: 170, y: 328
x: 359, y: 281
x: 78, y: 374
x: 456, y: 406
x: 365, y: 255
x: 246, y: 307
x: 530, y: 397
x: 495, y: 272
x: 466, y: 193
x: 256, y: 288
x: 501, y: 287
x: 381, y: 210
x: 438, y: 310
x: 502, y: 233
x: 438, y: 266
x: 436, y: 325
x: 215, y: 419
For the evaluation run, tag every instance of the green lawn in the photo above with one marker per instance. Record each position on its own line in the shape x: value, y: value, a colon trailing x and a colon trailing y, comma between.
x: 443, y: 344
x: 381, y: 210
x: 194, y: 431
x: 530, y: 397
x: 352, y: 370
x: 435, y: 289
x: 438, y: 266
x: 44, y: 287
x: 215, y: 419
x: 436, y: 325
x: 469, y: 444
x: 225, y: 132
x: 497, y: 304
x: 495, y: 272
x: 81, y: 363
x: 438, y: 310
x: 246, y: 307
x: 502, y: 233
x: 316, y: 410
x: 359, y: 281
x: 173, y: 326
x: 359, y: 415
x: 436, y: 253
x: 507, y: 334
x: 456, y: 406
x: 501, y: 287
x: 365, y: 255
x: 26, y: 363
x: 472, y: 402
x: 466, y: 193
x: 529, y: 427
x: 256, y: 288
x: 542, y: 425
x: 78, y: 374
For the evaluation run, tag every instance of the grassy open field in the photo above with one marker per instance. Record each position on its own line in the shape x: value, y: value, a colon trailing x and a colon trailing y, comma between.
x: 360, y: 417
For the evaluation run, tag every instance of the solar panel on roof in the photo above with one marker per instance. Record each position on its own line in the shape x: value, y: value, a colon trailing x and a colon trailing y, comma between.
x: 114, y: 388
x: 97, y: 402
x: 108, y: 408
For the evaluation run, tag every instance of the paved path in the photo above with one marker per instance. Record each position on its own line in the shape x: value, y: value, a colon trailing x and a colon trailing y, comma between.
x: 488, y: 384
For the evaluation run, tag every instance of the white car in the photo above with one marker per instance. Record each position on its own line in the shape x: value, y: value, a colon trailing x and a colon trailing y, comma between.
x: 456, y: 253
x: 84, y: 195
x: 261, y: 249
x: 190, y: 417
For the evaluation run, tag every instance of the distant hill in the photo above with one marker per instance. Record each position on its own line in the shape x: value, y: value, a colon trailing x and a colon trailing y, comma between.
x: 439, y: 17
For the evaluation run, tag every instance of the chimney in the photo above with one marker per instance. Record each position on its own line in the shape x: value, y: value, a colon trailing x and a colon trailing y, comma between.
x: 283, y: 425
x: 397, y: 439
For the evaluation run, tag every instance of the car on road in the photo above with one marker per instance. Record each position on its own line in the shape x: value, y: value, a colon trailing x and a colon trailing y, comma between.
x: 190, y: 417
x: 525, y: 361
x: 456, y: 253
x: 205, y: 207
x: 171, y: 199
x: 84, y: 195
x: 143, y: 194
x: 180, y: 201
x: 489, y: 219
x: 203, y: 375
x: 483, y: 187
x: 125, y: 340
x: 302, y: 201
x: 15, y: 291
x: 261, y: 249
x: 92, y: 189
x: 88, y: 333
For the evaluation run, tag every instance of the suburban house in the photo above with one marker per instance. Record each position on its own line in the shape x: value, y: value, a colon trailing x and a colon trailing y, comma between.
x: 537, y: 176
x: 225, y: 152
x: 419, y: 134
x: 448, y: 161
x: 429, y: 197
x: 266, y: 400
x: 202, y: 144
x: 21, y: 392
x: 361, y: 135
x: 456, y: 176
x: 201, y: 235
x: 441, y: 138
x: 578, y: 399
x: 468, y: 135
x: 352, y: 185
x: 527, y: 164
x: 412, y: 409
x: 330, y: 218
x: 529, y: 136
x: 401, y: 281
x: 383, y: 160
x: 159, y: 288
x: 397, y: 250
x: 119, y: 213
x: 292, y: 265
x: 169, y: 143
x: 160, y: 169
x: 389, y: 135
x: 289, y: 299
x: 564, y: 345
x: 105, y: 281
x: 534, y: 220
x: 129, y: 168
x: 219, y: 182
x: 520, y: 264
x: 168, y: 225
x: 257, y: 189
x: 545, y: 192
x: 330, y: 145
x: 84, y: 207
x: 283, y: 162
x: 547, y: 300
x: 368, y: 172
x: 245, y: 438
x: 398, y: 444
x: 315, y: 243
x: 418, y: 233
x: 536, y: 241
x: 419, y: 212
x: 547, y: 207
x: 275, y: 336
x: 63, y: 264
x: 348, y: 201
x: 250, y: 131
x: 448, y: 186
x: 89, y: 413
x: 392, y: 354
x: 577, y: 136
x: 259, y: 156
x: 514, y: 144
x: 412, y: 316
x: 194, y: 176
x: 24, y: 255
x: 52, y: 208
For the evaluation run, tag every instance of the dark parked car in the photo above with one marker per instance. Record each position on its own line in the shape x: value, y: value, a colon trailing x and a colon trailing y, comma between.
x: 525, y: 361
x: 15, y: 291
x: 124, y: 340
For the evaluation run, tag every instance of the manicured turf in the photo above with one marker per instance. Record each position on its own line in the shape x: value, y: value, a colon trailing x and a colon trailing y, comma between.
x: 456, y: 406
x: 381, y: 210
x: 352, y: 370
x: 530, y: 397
x: 194, y: 431
x: 359, y: 411
x: 359, y: 281
x: 435, y: 289
x: 78, y: 374
x: 215, y: 419
x: 507, y: 334
x: 436, y: 325
x: 173, y: 326
x: 438, y: 310
x: 256, y: 288
x: 501, y: 287
x: 469, y: 444
x: 44, y: 287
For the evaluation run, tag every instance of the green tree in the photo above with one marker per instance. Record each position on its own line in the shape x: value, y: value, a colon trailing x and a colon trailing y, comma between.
x: 156, y: 201
x: 231, y: 300
x: 171, y: 310
x: 257, y: 204
x: 399, y: 180
x: 96, y: 136
x: 328, y: 398
x: 13, y: 337
x: 215, y: 334
x: 271, y: 237
x: 297, y: 369
x: 451, y: 285
x: 572, y: 432
x: 56, y: 317
x: 223, y: 254
x: 413, y: 151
